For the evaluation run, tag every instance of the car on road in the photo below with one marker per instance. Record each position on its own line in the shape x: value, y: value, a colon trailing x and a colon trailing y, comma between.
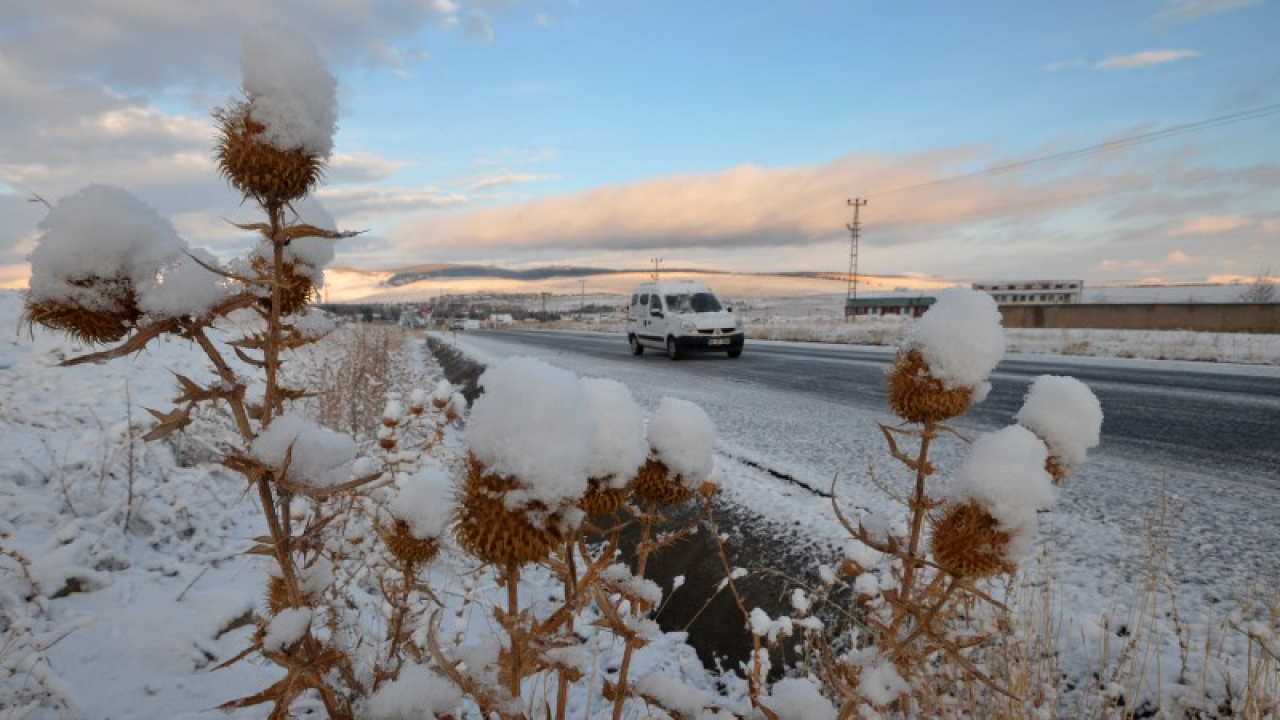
x: 457, y: 325
x: 682, y: 316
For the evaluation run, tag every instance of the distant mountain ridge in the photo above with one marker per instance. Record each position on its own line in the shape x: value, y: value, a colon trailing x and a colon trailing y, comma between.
x: 418, y: 273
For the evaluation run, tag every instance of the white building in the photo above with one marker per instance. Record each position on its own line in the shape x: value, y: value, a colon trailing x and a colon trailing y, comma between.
x: 1034, y: 292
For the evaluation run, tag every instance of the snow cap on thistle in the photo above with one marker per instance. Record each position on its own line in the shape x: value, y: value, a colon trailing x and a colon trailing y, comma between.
x: 1004, y: 476
x: 533, y: 424
x: 273, y: 145
x: 1066, y: 414
x: 421, y: 509
x: 104, y: 258
x: 943, y: 365
x: 619, y: 448
x: 681, y: 441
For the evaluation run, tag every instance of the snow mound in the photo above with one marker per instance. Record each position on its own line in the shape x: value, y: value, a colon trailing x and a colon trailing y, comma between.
x: 533, y: 423
x: 961, y: 339
x: 682, y: 436
x: 1066, y: 413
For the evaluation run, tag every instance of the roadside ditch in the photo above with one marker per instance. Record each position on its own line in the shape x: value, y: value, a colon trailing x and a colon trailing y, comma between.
x: 778, y: 558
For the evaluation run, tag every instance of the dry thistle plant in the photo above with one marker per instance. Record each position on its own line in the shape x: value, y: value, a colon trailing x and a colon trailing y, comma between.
x: 918, y: 580
x: 138, y: 281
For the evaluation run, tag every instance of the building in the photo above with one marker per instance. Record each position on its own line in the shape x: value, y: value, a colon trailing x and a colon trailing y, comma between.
x: 877, y: 307
x: 1033, y: 292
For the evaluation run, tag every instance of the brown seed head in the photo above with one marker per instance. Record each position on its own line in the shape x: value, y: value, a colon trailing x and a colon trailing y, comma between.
x: 967, y: 542
x: 917, y: 396
x: 1056, y: 469
x: 387, y: 443
x: 296, y: 288
x: 90, y: 325
x: 657, y: 483
x: 402, y: 543
x: 278, y: 596
x: 601, y: 499
x: 487, y: 529
x: 256, y: 168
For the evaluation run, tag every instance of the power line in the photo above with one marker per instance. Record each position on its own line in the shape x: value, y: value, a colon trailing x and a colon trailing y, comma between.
x: 1205, y: 124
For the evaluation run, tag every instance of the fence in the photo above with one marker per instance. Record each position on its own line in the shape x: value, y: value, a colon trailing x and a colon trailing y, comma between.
x: 1261, y: 318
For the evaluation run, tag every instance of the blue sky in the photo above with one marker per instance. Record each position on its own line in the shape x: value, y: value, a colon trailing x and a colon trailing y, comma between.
x: 725, y: 135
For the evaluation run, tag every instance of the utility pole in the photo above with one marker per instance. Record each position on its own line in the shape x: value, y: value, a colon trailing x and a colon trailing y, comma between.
x: 582, y: 302
x: 851, y: 295
x: 656, y: 262
x: 544, y: 306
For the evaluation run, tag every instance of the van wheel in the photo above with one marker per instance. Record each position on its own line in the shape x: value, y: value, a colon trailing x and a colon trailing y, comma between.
x: 735, y: 353
x: 636, y: 347
x: 673, y: 350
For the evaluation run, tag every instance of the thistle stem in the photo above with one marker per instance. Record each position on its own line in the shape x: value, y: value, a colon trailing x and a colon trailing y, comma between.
x: 517, y: 637
x: 919, y: 508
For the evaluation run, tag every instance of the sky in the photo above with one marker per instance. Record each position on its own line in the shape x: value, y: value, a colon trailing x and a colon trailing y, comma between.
x: 1114, y: 142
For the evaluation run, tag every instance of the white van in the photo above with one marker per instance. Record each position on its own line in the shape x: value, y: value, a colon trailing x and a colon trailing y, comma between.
x: 680, y: 316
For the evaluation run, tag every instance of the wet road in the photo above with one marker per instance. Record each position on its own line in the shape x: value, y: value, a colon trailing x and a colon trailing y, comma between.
x: 1225, y: 419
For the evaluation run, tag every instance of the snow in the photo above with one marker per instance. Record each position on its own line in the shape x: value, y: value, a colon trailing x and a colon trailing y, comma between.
x: 619, y: 447
x: 533, y: 423
x: 1066, y: 414
x: 290, y: 90
x: 641, y: 589
x: 1005, y: 474
x: 286, y: 628
x: 961, y: 339
x: 158, y: 602
x: 183, y: 286
x: 418, y: 692
x: 104, y: 233
x: 799, y: 699
x: 317, y: 456
x: 682, y: 436
x: 425, y: 502
x: 881, y: 683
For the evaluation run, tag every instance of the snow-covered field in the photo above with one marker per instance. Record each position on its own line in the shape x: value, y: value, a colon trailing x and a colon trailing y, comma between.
x: 124, y: 580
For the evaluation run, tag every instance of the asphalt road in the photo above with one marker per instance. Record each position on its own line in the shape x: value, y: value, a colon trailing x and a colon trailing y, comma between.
x: 1171, y: 414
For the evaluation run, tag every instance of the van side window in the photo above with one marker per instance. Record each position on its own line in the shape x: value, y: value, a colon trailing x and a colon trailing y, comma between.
x: 654, y: 302
x: 644, y: 300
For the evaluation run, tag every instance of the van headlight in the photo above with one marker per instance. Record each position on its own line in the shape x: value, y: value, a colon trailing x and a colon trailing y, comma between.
x: 688, y: 326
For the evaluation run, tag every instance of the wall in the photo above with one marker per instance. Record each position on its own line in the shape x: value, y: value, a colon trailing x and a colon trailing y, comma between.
x: 1262, y: 318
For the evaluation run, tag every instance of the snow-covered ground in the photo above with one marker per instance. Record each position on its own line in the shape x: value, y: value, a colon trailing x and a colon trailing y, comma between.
x: 132, y: 583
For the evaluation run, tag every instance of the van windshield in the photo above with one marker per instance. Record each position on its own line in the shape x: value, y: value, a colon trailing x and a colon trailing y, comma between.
x: 693, y: 303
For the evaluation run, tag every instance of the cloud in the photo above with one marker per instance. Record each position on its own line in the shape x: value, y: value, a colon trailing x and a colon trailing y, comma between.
x: 1065, y: 65
x: 134, y: 46
x: 519, y: 156
x: 1143, y: 59
x: 743, y: 207
x: 1181, y: 11
x: 369, y: 202
x: 362, y: 167
x: 542, y: 20
x: 1178, y: 257
x: 506, y: 177
x: 477, y: 26
x: 1213, y: 225
x: 92, y: 90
